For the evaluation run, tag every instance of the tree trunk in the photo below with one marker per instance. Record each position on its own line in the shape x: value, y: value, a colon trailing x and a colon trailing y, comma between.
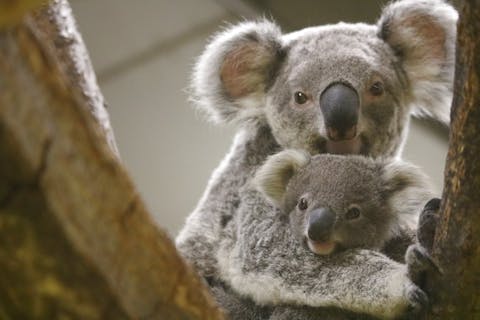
x: 456, y: 293
x: 76, y: 240
x: 11, y: 11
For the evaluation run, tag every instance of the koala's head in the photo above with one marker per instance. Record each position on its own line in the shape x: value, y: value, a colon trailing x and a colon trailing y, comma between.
x: 337, y: 202
x: 344, y: 88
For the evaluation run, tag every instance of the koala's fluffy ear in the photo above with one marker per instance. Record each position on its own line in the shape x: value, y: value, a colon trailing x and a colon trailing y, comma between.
x: 232, y: 75
x: 423, y: 35
x: 273, y: 176
x: 407, y: 190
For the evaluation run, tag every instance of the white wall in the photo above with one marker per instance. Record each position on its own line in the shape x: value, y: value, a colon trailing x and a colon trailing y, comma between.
x: 143, y: 52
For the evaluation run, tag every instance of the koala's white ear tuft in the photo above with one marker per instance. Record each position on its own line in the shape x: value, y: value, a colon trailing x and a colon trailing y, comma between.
x: 423, y: 35
x: 273, y: 176
x: 407, y: 190
x: 232, y: 75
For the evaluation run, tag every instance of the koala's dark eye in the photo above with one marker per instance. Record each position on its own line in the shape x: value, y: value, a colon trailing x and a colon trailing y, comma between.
x: 303, y: 204
x: 300, y: 97
x: 352, y: 213
x: 377, y: 89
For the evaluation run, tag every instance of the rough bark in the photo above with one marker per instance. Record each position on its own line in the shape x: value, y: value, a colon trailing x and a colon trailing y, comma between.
x: 76, y: 240
x: 56, y: 29
x: 456, y: 293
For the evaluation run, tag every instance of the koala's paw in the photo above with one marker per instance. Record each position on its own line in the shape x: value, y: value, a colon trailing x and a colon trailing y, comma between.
x: 427, y: 223
x: 419, y: 263
x: 418, y: 302
x: 417, y: 298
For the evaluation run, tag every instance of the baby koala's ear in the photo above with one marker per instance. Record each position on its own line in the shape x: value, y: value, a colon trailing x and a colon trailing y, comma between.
x: 273, y: 176
x: 407, y: 189
x: 422, y: 33
x: 232, y: 75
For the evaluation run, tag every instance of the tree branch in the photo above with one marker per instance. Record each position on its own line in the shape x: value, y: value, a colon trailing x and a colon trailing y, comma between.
x: 12, y: 11
x: 76, y: 238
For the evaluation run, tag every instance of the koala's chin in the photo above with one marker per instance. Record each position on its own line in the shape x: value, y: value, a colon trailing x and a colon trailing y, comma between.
x: 321, y: 248
x: 352, y: 146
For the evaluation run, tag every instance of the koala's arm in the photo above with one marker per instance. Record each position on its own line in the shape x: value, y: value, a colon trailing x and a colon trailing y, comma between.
x: 308, y: 313
x: 360, y: 281
x: 237, y: 307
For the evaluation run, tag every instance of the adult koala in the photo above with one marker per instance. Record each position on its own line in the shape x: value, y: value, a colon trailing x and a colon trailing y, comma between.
x: 345, y: 88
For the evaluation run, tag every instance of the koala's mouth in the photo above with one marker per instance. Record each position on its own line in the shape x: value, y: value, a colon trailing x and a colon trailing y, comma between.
x: 321, y: 247
x: 351, y: 146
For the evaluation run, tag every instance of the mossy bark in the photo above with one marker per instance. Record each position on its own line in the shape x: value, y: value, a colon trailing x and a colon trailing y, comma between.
x: 12, y: 11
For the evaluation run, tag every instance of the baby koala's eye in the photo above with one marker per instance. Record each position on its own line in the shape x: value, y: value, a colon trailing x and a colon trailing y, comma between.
x: 300, y: 97
x: 377, y: 89
x: 352, y: 213
x: 302, y: 204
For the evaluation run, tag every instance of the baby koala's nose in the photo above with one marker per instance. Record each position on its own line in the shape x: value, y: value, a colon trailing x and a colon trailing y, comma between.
x: 320, y: 224
x: 340, y: 107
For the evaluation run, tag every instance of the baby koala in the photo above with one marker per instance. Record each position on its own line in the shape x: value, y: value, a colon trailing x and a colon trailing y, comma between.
x: 345, y: 209
x: 339, y: 202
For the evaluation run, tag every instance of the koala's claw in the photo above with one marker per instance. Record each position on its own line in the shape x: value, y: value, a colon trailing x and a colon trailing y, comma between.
x: 418, y: 302
x: 418, y: 263
x: 418, y: 259
x: 433, y: 204
x: 427, y: 223
x: 418, y: 299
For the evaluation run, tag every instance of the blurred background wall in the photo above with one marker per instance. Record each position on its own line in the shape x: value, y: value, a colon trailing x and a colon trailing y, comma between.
x: 143, y: 51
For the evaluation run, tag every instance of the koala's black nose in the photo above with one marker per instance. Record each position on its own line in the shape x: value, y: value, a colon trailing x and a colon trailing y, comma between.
x: 320, y: 224
x: 340, y: 106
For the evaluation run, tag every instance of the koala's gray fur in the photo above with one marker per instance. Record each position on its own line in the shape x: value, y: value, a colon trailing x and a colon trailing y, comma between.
x: 389, y: 194
x: 242, y: 308
x: 248, y: 75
